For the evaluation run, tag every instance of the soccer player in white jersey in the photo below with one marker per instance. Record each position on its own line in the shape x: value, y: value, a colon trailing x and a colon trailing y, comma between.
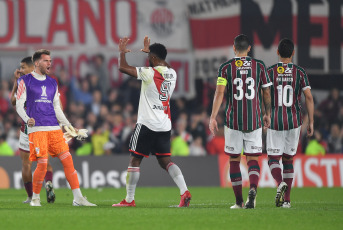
x: 26, y: 67
x: 289, y: 82
x: 153, y: 128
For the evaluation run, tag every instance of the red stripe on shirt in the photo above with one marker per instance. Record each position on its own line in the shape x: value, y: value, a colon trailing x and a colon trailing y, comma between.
x: 21, y: 89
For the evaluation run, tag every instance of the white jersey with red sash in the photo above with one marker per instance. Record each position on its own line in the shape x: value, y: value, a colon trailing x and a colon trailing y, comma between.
x: 158, y: 84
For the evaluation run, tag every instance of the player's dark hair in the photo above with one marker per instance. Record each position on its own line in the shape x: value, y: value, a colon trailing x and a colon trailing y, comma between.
x: 37, y: 55
x: 286, y: 48
x: 27, y: 61
x: 159, y: 50
x: 241, y: 42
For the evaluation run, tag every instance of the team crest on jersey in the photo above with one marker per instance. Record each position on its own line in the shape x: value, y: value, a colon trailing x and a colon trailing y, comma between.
x: 43, y: 91
x: 238, y: 63
x: 280, y: 70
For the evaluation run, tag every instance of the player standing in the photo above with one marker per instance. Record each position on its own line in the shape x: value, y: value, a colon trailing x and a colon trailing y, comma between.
x: 42, y: 116
x: 243, y: 77
x: 153, y: 128
x: 289, y: 80
x: 26, y: 67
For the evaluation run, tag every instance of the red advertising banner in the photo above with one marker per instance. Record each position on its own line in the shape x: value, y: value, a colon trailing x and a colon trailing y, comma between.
x: 326, y: 171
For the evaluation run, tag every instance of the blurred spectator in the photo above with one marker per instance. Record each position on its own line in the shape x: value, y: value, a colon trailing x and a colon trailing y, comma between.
x: 181, y: 126
x: 101, y: 72
x: 81, y: 93
x: 94, y: 82
x: 84, y: 150
x: 335, y: 139
x: 63, y: 86
x: 197, y: 126
x: 196, y: 148
x: 330, y: 107
x: 216, y: 145
x: 96, y: 103
x: 179, y: 147
x: 314, y: 147
x: 4, y: 103
x: 5, y: 149
x: 99, y: 138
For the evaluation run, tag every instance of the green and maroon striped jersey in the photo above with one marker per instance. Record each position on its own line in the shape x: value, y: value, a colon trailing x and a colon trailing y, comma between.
x: 245, y: 76
x: 289, y: 81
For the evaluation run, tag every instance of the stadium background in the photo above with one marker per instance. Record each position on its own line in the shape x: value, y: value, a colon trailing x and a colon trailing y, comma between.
x: 83, y: 37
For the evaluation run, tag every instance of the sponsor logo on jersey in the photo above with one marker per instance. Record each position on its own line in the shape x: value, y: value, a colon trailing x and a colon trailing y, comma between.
x: 238, y: 63
x: 273, y: 150
x: 229, y: 148
x: 43, y: 91
x: 280, y: 70
x: 160, y: 107
x: 257, y: 148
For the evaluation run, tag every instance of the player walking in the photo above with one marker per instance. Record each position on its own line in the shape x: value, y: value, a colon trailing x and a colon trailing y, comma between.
x: 26, y: 67
x: 243, y: 77
x: 42, y: 115
x: 289, y: 80
x: 153, y: 128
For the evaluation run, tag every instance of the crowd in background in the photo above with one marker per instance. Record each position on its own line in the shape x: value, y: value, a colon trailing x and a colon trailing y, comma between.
x: 110, y: 112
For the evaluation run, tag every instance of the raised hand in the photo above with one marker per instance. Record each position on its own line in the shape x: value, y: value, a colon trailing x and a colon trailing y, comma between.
x: 146, y: 43
x: 122, y: 45
x: 16, y: 74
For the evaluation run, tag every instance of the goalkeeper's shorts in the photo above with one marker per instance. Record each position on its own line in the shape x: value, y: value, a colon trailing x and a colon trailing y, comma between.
x: 44, y: 142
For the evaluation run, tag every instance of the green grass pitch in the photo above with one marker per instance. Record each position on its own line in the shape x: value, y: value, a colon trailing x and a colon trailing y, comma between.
x: 312, y: 208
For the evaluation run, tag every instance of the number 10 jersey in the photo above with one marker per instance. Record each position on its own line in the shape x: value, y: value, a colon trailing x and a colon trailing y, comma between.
x: 245, y: 77
x: 158, y: 84
x: 289, y: 81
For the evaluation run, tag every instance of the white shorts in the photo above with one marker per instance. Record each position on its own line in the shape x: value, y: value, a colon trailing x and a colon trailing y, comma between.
x: 282, y: 141
x: 24, y: 142
x: 250, y: 142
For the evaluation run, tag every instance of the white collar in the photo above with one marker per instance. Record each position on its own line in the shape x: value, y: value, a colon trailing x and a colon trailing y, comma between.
x: 38, y: 76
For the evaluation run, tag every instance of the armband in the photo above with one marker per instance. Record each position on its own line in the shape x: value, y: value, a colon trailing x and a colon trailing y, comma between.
x: 221, y: 81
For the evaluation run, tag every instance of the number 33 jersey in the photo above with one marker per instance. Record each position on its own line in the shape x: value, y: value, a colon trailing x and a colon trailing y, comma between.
x: 289, y: 81
x: 244, y: 77
x: 158, y: 84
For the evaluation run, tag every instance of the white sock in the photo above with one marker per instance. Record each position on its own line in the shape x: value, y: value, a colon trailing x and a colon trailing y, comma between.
x: 77, y: 193
x: 35, y: 196
x: 131, y: 182
x: 175, y: 172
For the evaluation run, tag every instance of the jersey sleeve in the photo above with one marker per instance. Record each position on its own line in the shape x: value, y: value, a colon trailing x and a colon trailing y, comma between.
x: 264, y: 76
x: 145, y: 73
x: 222, y: 75
x: 304, y: 82
x: 20, y: 100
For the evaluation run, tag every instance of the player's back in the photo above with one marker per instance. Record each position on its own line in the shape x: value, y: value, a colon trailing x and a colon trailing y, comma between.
x: 289, y: 80
x: 245, y: 77
x: 158, y: 85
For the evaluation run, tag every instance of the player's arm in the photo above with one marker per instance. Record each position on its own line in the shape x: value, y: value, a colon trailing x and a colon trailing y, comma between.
x: 58, y: 110
x: 217, y: 101
x: 124, y: 67
x: 310, y: 110
x: 20, y: 101
x: 267, y: 106
x: 15, y: 87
